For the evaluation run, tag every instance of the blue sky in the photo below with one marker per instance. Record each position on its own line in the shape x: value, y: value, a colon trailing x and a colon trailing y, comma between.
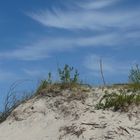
x: 36, y: 35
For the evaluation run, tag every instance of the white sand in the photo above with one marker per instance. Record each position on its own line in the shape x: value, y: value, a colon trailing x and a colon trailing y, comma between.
x: 56, y: 118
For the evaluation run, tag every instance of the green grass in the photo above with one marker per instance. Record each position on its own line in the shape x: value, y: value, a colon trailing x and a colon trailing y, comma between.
x: 43, y: 85
x: 68, y: 79
x: 118, y: 101
x: 134, y: 86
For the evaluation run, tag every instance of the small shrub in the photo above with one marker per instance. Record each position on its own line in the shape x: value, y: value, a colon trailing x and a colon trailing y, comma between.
x: 69, y: 79
x: 66, y: 75
x: 119, y: 101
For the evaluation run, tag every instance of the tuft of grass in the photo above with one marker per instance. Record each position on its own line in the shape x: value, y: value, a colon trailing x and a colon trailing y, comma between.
x: 134, y: 78
x: 119, y: 101
x: 43, y: 85
x: 134, y: 86
x: 11, y: 101
x: 68, y: 77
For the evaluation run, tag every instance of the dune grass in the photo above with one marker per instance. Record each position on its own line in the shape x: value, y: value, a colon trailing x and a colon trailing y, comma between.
x: 69, y: 79
x: 130, y: 95
x: 119, y: 101
x: 11, y: 101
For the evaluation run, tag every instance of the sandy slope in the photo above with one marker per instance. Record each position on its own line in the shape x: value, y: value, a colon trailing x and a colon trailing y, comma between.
x: 65, y: 117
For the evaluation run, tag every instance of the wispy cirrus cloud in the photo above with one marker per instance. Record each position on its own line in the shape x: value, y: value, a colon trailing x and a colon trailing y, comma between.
x: 97, y: 4
x: 88, y: 19
x: 44, y: 48
x: 95, y: 25
x: 113, y: 69
x: 111, y: 66
x: 113, y: 28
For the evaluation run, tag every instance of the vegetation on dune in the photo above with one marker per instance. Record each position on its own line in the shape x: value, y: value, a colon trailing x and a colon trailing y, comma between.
x: 69, y: 79
x: 11, y: 100
x: 134, y: 75
x: 118, y: 101
x: 123, y: 99
x: 67, y: 75
x: 134, y: 78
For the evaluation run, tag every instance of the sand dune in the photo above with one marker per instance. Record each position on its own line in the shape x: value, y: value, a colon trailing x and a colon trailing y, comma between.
x: 69, y: 117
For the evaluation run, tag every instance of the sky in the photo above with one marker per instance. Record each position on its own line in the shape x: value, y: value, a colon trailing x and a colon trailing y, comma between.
x: 37, y: 36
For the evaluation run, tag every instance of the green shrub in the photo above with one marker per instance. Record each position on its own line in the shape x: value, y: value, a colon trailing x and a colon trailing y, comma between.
x: 68, y: 75
x: 119, y: 101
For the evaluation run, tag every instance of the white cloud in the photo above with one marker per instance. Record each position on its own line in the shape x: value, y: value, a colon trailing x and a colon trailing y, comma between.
x: 88, y: 19
x: 82, y: 18
x: 97, y: 4
x: 111, y: 66
x: 44, y: 48
x: 30, y: 52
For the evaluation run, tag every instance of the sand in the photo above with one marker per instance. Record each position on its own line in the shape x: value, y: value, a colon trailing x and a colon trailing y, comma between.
x: 65, y: 117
